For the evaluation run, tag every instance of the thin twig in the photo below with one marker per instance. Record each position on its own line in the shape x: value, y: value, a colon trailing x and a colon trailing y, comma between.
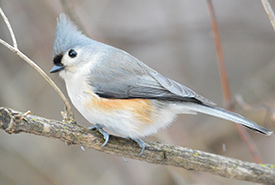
x: 269, y: 12
x: 225, y: 85
x: 50, y: 81
x: 7, y: 45
x: 69, y: 114
x: 11, y: 121
x: 244, y: 105
x: 222, y: 69
x: 9, y: 28
x: 269, y: 111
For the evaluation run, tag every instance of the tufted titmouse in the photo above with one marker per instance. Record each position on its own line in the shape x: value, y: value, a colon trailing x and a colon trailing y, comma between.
x: 116, y: 91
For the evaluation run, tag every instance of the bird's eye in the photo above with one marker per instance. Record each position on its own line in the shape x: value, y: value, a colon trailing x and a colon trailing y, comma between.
x: 72, y: 53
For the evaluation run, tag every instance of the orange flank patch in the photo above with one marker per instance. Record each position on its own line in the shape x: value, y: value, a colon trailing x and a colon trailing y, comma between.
x: 140, y: 108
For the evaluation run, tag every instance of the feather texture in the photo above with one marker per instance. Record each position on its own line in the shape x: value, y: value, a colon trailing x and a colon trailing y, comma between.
x: 119, y: 75
x: 114, y: 89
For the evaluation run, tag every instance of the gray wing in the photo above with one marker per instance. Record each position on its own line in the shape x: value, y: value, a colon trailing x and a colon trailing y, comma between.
x: 122, y: 76
x: 178, y: 89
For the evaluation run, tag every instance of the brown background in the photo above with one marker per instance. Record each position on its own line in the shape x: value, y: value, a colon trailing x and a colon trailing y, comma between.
x: 173, y: 37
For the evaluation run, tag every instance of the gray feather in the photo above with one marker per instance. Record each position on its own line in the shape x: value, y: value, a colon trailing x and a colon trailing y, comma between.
x: 127, y: 77
x: 117, y: 74
x: 224, y: 114
x: 68, y: 36
x: 178, y: 89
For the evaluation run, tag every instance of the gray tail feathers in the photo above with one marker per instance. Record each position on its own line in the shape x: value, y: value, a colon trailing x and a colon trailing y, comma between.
x: 224, y: 114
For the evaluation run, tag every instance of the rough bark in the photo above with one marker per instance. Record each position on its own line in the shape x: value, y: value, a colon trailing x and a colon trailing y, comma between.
x: 14, y: 122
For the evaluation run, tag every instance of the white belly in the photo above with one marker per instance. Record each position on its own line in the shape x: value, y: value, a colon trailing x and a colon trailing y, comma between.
x: 121, y: 122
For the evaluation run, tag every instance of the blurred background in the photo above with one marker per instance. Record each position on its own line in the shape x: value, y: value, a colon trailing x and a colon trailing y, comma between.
x: 173, y: 37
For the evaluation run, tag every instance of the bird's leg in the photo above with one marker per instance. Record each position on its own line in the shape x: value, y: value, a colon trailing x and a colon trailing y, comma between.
x: 141, y: 145
x: 99, y: 128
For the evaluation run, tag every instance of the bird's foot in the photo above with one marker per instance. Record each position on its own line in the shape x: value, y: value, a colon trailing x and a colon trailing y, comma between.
x: 141, y: 145
x: 99, y: 128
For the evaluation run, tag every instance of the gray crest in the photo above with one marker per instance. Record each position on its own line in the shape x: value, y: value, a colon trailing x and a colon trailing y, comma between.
x: 67, y: 36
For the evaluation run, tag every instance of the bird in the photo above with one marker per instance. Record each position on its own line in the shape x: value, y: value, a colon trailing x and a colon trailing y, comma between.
x: 117, y: 92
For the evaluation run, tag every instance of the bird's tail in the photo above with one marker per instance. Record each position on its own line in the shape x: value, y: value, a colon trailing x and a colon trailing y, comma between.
x: 224, y: 114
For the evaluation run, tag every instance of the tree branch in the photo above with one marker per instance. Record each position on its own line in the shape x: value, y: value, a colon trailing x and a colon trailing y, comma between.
x: 9, y: 28
x: 269, y: 12
x: 225, y: 86
x: 14, y: 122
x: 68, y: 114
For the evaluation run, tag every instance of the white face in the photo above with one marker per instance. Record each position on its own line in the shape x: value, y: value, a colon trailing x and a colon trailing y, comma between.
x: 78, y: 63
x: 71, y: 60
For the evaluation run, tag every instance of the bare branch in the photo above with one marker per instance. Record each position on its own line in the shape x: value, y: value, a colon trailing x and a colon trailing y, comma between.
x: 225, y: 85
x: 14, y: 122
x: 50, y: 81
x: 269, y: 12
x: 7, y: 45
x: 14, y: 48
x: 9, y: 28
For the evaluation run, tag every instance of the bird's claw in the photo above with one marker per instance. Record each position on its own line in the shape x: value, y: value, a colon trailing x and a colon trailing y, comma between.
x: 99, y: 128
x: 141, y: 145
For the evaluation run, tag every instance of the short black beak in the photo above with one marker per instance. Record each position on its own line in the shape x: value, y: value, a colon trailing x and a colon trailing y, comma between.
x: 57, y: 68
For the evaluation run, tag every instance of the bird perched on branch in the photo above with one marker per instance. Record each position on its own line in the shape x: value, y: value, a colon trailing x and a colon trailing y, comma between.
x: 114, y: 90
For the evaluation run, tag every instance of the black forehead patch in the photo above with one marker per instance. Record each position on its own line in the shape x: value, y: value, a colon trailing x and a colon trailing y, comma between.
x: 57, y: 59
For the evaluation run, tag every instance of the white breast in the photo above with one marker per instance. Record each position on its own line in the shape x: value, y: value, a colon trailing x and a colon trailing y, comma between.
x: 121, y: 122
